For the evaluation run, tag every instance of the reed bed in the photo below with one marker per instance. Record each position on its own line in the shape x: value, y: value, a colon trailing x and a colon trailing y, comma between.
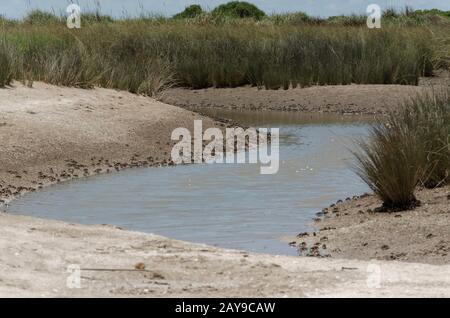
x: 148, y: 54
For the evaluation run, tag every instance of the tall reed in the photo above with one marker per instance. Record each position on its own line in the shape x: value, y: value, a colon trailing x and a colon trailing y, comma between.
x: 149, y: 53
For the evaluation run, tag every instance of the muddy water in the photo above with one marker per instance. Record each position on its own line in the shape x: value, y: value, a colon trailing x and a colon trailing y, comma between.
x: 231, y: 206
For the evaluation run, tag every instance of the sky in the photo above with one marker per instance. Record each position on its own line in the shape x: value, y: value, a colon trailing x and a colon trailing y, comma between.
x: 119, y: 8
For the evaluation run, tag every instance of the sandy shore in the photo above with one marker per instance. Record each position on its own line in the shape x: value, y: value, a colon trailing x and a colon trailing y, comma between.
x: 340, y: 99
x: 349, y: 99
x: 352, y: 230
x: 52, y: 134
x: 36, y: 254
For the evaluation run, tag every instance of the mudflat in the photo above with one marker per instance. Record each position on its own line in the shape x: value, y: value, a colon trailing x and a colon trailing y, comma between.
x: 344, y: 99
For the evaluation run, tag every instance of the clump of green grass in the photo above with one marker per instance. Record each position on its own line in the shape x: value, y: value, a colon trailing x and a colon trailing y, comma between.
x: 428, y: 116
x: 390, y: 163
x: 64, y: 61
x: 411, y: 149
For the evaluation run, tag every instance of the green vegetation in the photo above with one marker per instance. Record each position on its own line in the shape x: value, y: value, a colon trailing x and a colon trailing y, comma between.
x: 238, y: 9
x: 190, y: 12
x: 37, y: 17
x: 239, y: 46
x: 96, y: 17
x: 411, y: 149
x: 428, y: 117
x: 433, y: 12
x: 6, y: 65
x: 390, y: 164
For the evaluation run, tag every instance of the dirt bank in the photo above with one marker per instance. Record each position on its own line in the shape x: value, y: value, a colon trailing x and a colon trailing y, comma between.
x: 351, y: 99
x: 51, y: 134
x: 351, y: 229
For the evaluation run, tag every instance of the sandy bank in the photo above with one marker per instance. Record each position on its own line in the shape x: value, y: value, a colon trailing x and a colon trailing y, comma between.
x: 351, y: 229
x: 51, y: 134
x: 350, y: 99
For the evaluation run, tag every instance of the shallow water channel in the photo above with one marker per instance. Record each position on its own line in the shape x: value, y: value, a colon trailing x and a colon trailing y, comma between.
x: 226, y: 205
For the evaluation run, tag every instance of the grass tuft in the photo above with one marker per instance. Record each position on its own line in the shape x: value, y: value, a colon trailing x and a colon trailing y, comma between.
x: 391, y: 165
x: 411, y: 149
x: 428, y: 116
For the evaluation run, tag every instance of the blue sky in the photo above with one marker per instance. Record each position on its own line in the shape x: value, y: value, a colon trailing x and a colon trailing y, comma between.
x: 117, y: 8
